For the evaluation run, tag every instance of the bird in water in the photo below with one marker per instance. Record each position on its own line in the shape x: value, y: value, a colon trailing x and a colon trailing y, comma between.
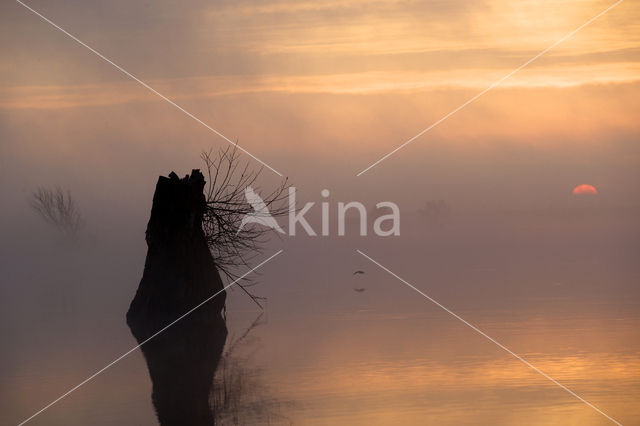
x: 358, y: 272
x: 359, y: 290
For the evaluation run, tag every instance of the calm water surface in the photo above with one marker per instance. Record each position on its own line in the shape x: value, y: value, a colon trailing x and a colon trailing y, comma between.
x: 322, y: 353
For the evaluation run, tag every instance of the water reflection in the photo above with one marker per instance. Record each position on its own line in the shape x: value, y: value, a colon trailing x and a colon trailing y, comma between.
x: 182, y: 361
x: 196, y: 381
x: 239, y: 394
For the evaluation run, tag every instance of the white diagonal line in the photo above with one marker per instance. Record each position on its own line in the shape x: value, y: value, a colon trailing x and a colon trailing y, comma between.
x: 128, y: 74
x: 493, y: 85
x: 145, y: 341
x: 476, y: 329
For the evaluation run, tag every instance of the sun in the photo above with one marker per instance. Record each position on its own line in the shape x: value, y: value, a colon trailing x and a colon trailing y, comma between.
x: 585, y: 189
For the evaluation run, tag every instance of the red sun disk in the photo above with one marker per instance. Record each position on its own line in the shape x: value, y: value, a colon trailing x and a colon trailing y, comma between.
x: 585, y: 189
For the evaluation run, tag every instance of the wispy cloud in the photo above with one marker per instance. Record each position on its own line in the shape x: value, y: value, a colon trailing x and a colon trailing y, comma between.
x: 375, y: 82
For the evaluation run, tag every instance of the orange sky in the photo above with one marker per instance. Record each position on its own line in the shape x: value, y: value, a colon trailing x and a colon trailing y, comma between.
x: 310, y: 47
x: 290, y: 79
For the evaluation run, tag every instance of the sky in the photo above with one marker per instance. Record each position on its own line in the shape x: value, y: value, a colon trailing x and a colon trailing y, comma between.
x: 353, y: 79
x: 321, y: 90
x: 342, y: 83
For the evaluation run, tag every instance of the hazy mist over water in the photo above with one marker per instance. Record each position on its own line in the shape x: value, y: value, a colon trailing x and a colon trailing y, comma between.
x: 489, y: 227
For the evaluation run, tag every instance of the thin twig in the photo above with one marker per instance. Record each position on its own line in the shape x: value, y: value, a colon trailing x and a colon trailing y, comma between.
x: 226, y: 206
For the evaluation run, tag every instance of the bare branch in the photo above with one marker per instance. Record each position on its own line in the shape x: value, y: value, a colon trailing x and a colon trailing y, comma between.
x: 59, y: 209
x: 226, y: 207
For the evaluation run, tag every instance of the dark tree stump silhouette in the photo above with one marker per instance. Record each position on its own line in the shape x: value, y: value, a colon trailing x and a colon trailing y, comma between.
x: 179, y: 274
x: 179, y: 271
